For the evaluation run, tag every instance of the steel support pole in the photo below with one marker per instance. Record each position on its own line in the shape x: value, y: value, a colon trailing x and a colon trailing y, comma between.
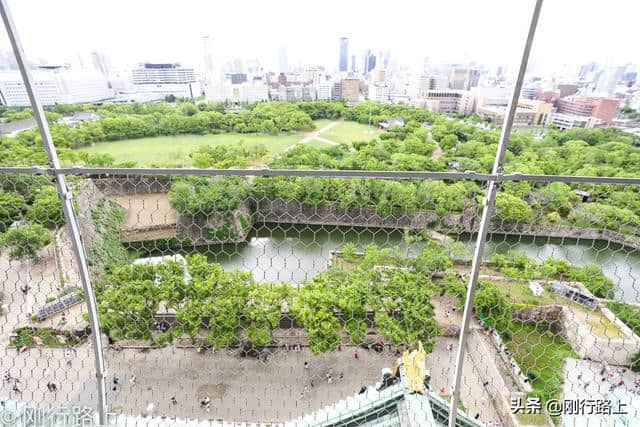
x: 488, y: 206
x: 65, y: 198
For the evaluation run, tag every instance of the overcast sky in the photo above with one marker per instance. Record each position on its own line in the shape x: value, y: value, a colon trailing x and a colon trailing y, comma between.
x: 487, y: 31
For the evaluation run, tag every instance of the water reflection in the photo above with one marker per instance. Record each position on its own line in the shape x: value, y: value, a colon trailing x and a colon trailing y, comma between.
x: 288, y: 253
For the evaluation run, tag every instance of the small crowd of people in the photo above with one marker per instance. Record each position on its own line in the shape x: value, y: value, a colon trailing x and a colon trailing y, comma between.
x: 328, y: 377
x: 16, y: 384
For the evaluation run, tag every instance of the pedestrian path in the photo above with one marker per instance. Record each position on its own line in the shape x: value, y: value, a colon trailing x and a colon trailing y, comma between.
x: 316, y: 135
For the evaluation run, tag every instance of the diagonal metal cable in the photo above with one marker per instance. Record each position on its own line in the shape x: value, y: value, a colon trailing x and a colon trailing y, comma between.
x: 67, y: 206
x: 488, y: 206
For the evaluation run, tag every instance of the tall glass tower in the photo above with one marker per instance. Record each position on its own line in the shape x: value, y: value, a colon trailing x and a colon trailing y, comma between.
x: 344, y: 54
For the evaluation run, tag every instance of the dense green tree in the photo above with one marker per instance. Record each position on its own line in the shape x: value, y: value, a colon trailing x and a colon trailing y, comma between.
x: 46, y: 208
x: 11, y: 207
x: 492, y: 306
x: 512, y: 209
x: 25, y: 241
x: 557, y: 197
x: 202, y: 196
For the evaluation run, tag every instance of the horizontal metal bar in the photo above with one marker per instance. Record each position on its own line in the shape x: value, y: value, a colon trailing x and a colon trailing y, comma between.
x: 332, y: 173
x: 34, y: 170
x: 569, y: 178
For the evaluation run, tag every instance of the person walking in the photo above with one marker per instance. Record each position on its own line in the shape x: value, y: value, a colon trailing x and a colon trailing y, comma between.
x: 68, y: 355
x: 173, y: 400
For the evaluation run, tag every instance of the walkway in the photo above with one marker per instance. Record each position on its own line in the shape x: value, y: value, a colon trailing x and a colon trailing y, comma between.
x: 316, y: 135
x: 438, y: 151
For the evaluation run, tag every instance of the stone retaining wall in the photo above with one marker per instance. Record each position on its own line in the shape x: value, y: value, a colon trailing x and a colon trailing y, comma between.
x: 281, y: 211
x: 87, y: 196
x: 549, y: 314
x: 196, y: 230
x: 133, y: 184
x: 563, y: 231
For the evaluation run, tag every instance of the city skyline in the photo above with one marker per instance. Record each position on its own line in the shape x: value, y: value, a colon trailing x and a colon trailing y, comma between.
x: 410, y: 38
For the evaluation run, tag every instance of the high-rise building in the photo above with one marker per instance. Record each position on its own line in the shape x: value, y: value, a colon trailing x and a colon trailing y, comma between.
x: 369, y: 62
x: 283, y: 62
x: 464, y: 78
x: 350, y: 89
x: 353, y: 63
x: 344, y: 54
x: 208, y: 59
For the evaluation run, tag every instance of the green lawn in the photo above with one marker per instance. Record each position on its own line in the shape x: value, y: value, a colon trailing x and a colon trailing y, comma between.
x: 320, y: 123
x: 173, y: 151
x: 316, y: 143
x: 349, y: 132
x: 541, y: 353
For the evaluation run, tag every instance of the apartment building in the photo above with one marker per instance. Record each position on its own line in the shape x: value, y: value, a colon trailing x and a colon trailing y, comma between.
x: 604, y: 109
x: 447, y: 101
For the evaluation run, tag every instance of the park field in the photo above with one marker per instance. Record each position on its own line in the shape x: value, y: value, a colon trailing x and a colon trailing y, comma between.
x: 348, y: 132
x: 173, y: 151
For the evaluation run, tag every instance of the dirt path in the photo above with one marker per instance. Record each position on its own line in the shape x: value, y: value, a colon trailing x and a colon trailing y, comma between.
x: 438, y: 151
x: 316, y: 135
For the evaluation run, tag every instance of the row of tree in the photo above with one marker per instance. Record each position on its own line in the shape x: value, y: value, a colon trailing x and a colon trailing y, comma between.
x: 230, y: 308
x: 517, y: 264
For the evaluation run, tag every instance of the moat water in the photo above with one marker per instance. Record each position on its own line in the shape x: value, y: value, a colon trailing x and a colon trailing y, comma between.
x: 295, y: 253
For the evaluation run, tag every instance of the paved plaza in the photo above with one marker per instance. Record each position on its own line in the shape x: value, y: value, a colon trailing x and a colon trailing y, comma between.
x: 240, y: 388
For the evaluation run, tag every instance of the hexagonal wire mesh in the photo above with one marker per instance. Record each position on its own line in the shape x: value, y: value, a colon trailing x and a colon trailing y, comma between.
x: 44, y: 352
x: 297, y: 290
x: 268, y: 298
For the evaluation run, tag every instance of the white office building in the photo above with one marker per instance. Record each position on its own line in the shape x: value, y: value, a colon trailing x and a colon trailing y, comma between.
x: 323, y: 90
x: 55, y: 85
x: 379, y: 92
x: 166, y: 79
x: 248, y: 93
x: 448, y: 101
x: 570, y: 121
